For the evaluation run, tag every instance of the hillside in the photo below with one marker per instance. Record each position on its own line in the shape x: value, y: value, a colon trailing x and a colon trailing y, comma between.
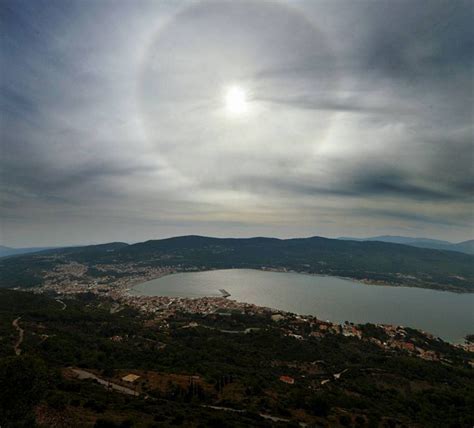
x: 376, y: 262
x: 212, y: 370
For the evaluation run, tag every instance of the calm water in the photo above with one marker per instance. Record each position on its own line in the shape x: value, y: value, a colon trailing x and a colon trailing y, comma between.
x: 444, y: 314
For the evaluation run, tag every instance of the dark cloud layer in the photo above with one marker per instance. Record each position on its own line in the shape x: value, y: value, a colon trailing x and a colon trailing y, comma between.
x: 113, y: 124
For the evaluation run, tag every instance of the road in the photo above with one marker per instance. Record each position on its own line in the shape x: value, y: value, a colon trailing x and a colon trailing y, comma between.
x: 62, y: 303
x: 83, y: 374
x: 262, y: 415
x: 21, y: 335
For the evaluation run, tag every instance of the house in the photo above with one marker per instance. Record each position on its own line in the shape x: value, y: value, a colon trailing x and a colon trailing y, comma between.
x: 130, y: 378
x: 287, y: 379
x: 408, y: 346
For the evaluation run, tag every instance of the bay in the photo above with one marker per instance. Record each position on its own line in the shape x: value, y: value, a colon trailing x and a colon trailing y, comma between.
x: 444, y: 314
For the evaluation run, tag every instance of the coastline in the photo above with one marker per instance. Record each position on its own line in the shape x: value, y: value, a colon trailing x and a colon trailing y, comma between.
x: 122, y: 288
x: 364, y: 281
x: 448, y: 335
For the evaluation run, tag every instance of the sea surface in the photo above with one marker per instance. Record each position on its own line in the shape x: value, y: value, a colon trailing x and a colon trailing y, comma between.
x: 445, y: 314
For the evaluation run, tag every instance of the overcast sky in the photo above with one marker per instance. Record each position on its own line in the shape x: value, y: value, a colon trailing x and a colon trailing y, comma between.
x: 353, y: 118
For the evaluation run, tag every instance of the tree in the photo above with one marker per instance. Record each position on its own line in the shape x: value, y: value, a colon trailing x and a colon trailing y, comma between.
x: 22, y: 386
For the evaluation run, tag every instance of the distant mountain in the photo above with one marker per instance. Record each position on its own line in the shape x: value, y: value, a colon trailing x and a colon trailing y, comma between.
x: 374, y: 261
x: 436, y: 244
x: 83, y: 249
x: 464, y: 247
x: 8, y: 251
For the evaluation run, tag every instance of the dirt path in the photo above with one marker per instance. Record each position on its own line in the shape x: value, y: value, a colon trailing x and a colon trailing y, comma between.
x: 21, y: 335
x: 62, y: 303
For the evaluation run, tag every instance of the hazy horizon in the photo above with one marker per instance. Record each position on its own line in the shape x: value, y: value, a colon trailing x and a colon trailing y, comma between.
x: 86, y: 243
x: 138, y: 120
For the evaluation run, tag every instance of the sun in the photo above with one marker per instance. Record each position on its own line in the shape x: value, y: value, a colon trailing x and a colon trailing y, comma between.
x: 235, y: 100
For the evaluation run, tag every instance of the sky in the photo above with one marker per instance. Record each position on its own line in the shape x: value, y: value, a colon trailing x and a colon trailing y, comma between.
x: 133, y: 120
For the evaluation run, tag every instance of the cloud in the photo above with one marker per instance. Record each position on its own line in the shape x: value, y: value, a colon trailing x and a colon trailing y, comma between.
x: 113, y: 124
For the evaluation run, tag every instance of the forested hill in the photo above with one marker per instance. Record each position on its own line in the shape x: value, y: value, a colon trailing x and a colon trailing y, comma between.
x: 373, y: 261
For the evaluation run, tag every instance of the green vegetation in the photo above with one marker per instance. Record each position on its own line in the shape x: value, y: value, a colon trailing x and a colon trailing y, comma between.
x: 23, y: 382
x: 378, y: 262
x: 184, y: 368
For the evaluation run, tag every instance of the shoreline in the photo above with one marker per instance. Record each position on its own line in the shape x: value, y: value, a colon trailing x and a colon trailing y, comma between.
x: 346, y: 278
x: 123, y: 289
x: 137, y: 294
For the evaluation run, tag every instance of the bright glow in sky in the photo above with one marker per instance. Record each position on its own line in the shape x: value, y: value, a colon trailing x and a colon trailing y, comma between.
x: 236, y: 101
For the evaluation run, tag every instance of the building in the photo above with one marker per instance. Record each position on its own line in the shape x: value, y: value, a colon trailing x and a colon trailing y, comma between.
x: 130, y: 378
x: 287, y: 379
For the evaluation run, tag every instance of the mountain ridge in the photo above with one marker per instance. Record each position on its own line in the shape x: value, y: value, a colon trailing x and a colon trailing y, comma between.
x: 371, y: 261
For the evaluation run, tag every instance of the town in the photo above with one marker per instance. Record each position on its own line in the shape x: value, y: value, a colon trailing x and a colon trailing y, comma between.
x: 115, y: 282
